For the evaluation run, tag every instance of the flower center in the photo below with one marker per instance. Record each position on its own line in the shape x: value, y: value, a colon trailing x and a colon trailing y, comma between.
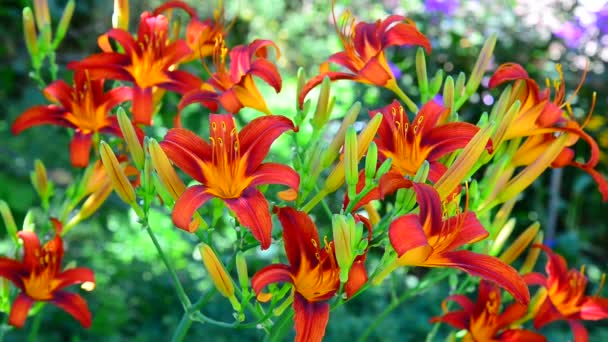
x: 148, y: 63
x: 42, y: 282
x: 408, y: 155
x: 318, y: 282
x: 86, y: 114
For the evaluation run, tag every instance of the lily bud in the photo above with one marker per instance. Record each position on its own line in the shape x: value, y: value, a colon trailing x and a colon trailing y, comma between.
x: 532, y: 256
x: 9, y: 221
x: 504, y: 124
x: 322, y: 112
x: 384, y: 168
x: 347, y: 235
x: 89, y: 207
x: 351, y: 171
x: 221, y: 279
x: 469, y: 156
x: 459, y: 86
x: 372, y: 213
x: 485, y: 56
x: 29, y: 32
x: 64, y: 22
x: 120, y: 182
x: 241, y: 270
x: 371, y: 161
x: 40, y: 180
x: 165, y: 171
x: 29, y: 223
x: 502, y: 237
x: 436, y: 82
x: 448, y: 93
x: 528, y: 175
x: 333, y: 150
x: 120, y: 17
x: 421, y: 74
x: 43, y: 20
x: 128, y: 132
x: 520, y: 244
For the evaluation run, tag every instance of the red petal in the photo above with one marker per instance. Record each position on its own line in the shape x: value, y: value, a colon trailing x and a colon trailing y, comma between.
x: 507, y: 72
x: 520, y: 335
x: 375, y: 71
x: 258, y: 135
x: 406, y: 234
x: 299, y: 232
x: 80, y: 149
x: 470, y: 231
x: 357, y: 277
x: 230, y: 101
x: 315, y: 81
x: 579, y: 331
x: 73, y: 304
x: 143, y: 105
x: 405, y: 34
x: 430, y: 208
x: 464, y: 302
x: 31, y: 249
x: 252, y: 212
x: 457, y: 319
x: 187, y: 204
x: 275, y: 173
x: 183, y: 82
x: 13, y: 270
x: 188, y: 151
x: 556, y: 268
x: 449, y: 138
x: 61, y: 92
x: 74, y: 276
x: 267, y: 71
x: 19, y: 310
x: 547, y: 313
x: 207, y: 98
x: 594, y: 308
x: 486, y: 267
x: 116, y: 96
x: 511, y: 314
x: 310, y: 319
x: 125, y: 40
x: 429, y: 114
x: 40, y: 115
x: 276, y: 273
x: 535, y: 278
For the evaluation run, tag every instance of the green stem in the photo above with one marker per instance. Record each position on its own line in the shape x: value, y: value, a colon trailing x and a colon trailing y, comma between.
x: 182, y: 328
x: 408, y: 102
x: 181, y: 294
x: 33, y: 335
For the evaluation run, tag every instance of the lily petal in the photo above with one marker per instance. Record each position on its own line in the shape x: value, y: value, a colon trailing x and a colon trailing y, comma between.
x: 40, y: 115
x: 457, y: 319
x: 187, y: 204
x: 12, y: 270
x: 408, y: 238
x: 299, y: 235
x: 143, y: 105
x: 471, y: 229
x: 80, y: 149
x: 310, y: 319
x: 73, y: 304
x: 546, y: 313
x: 518, y: 335
x: 594, y: 308
x: 188, y: 151
x: 251, y: 210
x: 275, y: 173
x: 579, y: 331
x: 276, y: 273
x: 357, y: 277
x: 74, y: 276
x: 507, y: 72
x: 258, y: 135
x: 19, y: 310
x: 31, y: 249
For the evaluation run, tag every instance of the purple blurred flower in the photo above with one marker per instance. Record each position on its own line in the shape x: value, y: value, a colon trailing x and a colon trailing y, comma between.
x: 446, y: 6
x: 601, y: 19
x: 395, y: 70
x: 571, y: 33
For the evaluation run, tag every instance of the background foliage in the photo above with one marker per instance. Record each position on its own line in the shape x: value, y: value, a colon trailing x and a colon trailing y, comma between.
x: 134, y: 297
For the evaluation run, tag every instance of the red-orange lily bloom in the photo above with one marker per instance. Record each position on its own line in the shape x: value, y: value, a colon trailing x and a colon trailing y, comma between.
x: 313, y: 272
x: 230, y: 168
x: 83, y: 107
x: 40, y: 278
x: 147, y: 62
x: 200, y: 35
x: 233, y: 88
x: 364, y: 45
x: 539, y: 115
x: 426, y: 239
x: 565, y: 297
x: 409, y: 144
x: 483, y: 319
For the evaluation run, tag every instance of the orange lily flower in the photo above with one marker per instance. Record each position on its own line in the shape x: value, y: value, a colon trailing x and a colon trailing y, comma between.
x: 483, y: 319
x: 233, y: 87
x: 200, y: 35
x: 409, y: 144
x: 313, y: 272
x: 539, y: 115
x: 565, y: 298
x: 83, y: 107
x: 364, y: 44
x: 147, y: 62
x: 40, y: 278
x: 230, y: 168
x: 428, y: 240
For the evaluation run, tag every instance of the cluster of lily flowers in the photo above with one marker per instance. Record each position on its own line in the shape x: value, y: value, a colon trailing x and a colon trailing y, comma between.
x: 434, y: 191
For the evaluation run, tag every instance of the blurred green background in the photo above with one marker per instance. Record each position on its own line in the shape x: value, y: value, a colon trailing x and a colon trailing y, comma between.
x: 134, y: 298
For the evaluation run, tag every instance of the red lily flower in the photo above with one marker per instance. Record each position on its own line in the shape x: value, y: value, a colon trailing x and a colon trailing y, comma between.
x: 234, y: 88
x: 147, y: 62
x: 40, y: 278
x: 313, y: 272
x: 200, y: 35
x: 409, y: 144
x: 428, y: 240
x: 539, y: 115
x: 483, y: 319
x: 83, y: 107
x: 364, y: 45
x: 565, y: 298
x: 230, y: 168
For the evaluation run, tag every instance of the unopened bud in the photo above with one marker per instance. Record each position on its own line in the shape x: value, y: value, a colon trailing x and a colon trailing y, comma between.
x: 436, y: 82
x: 241, y: 270
x: 64, y: 22
x: 346, y: 238
x: 502, y: 237
x: 120, y: 17
x: 532, y: 256
x: 421, y: 73
x: 485, y: 56
x: 89, y: 207
x: 128, y: 132
x: 372, y: 213
x: 333, y: 150
x: 520, y: 244
x: 322, y: 112
x: 371, y: 161
x: 40, y: 180
x: 448, y: 93
x: 43, y: 20
x: 9, y: 221
x: 120, y: 182
x: 351, y: 170
x: 165, y: 171
x: 221, y: 279
x: 29, y: 33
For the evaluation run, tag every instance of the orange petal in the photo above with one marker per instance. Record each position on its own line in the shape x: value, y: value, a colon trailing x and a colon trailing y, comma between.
x: 187, y: 204
x: 252, y: 212
x: 19, y: 310
x: 507, y: 72
x: 276, y: 273
x: 310, y: 319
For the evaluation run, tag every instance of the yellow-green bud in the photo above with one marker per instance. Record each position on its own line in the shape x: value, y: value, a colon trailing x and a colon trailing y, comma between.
x: 371, y: 161
x: 322, y: 112
x: 421, y: 73
x: 241, y: 270
x: 29, y: 33
x: 9, y: 221
x: 333, y: 150
x: 351, y: 162
x: 128, y: 132
x: 120, y: 182
x: 64, y: 22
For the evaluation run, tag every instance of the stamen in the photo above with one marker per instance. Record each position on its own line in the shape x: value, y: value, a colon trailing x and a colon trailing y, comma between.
x: 601, y: 287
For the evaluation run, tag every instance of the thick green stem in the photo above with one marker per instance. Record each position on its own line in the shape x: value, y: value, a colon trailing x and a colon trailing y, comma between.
x: 408, y: 102
x: 33, y: 335
x: 182, y: 328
